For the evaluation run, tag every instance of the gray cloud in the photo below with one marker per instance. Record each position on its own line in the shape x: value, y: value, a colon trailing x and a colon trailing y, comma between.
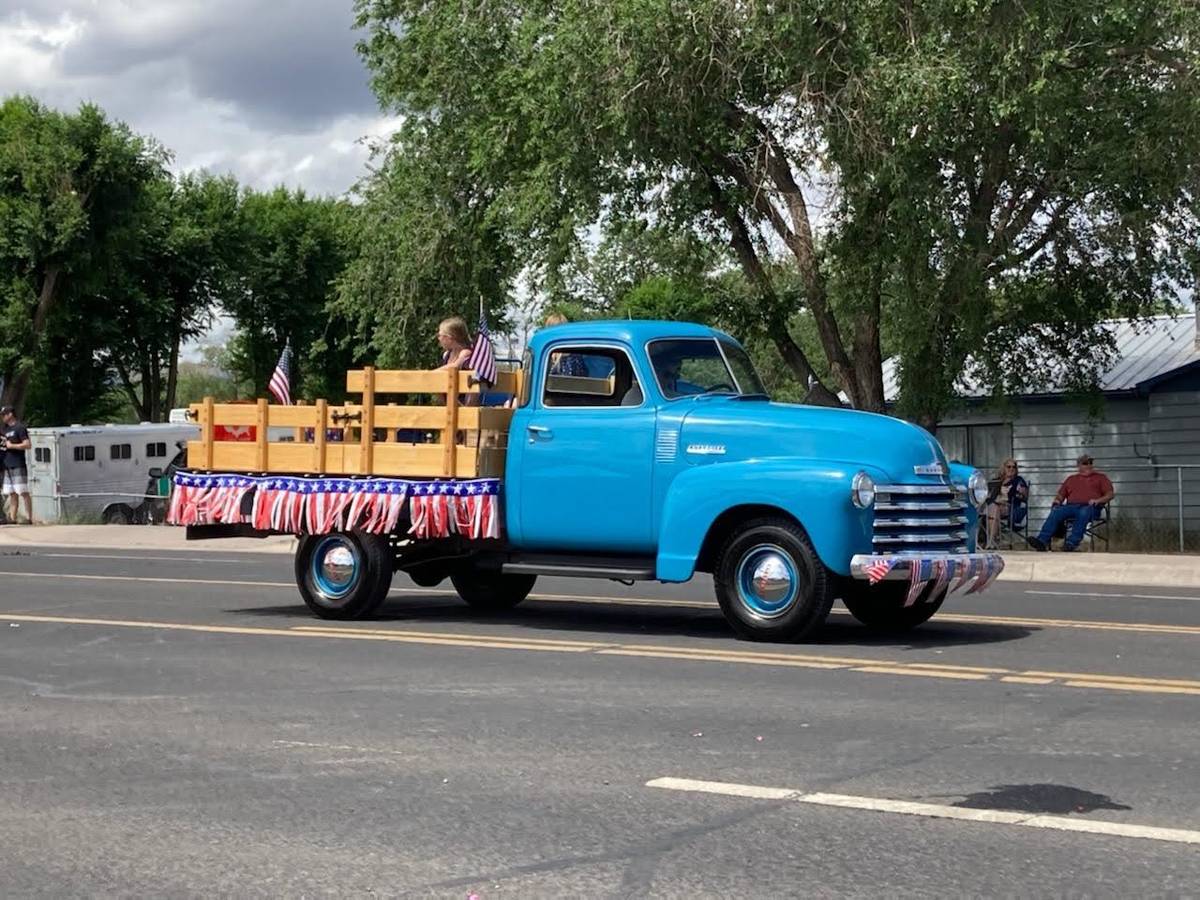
x: 271, y: 90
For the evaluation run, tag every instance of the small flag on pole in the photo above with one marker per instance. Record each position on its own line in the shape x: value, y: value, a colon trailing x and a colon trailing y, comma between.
x: 483, y: 359
x: 280, y: 386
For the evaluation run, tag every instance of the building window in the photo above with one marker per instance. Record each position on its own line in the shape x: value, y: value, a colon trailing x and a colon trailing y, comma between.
x: 120, y: 451
x: 981, y: 446
x: 86, y: 453
x: 154, y: 450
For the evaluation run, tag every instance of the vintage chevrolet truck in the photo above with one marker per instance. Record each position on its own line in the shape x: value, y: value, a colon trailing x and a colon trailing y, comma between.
x: 627, y: 451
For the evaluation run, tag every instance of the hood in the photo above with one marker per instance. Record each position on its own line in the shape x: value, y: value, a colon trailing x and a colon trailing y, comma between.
x: 758, y: 429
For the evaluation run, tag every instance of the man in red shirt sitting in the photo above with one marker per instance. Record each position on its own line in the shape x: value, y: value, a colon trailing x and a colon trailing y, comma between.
x: 1080, y: 499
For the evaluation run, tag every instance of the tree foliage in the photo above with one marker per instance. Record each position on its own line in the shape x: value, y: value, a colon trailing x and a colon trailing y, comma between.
x: 950, y: 169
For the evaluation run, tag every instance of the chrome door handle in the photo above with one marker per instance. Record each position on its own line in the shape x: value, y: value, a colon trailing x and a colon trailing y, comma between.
x: 536, y: 431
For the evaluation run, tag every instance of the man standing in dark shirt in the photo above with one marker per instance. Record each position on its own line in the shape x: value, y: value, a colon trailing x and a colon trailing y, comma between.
x: 14, y: 439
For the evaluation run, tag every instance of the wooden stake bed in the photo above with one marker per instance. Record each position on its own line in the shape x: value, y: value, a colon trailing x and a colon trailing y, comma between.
x: 449, y: 436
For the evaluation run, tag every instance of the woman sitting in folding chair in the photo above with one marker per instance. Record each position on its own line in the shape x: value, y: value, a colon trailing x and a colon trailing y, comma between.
x: 1008, y: 501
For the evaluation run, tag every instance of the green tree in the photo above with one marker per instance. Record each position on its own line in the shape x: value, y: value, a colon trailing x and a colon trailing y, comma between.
x: 294, y: 248
x: 427, y: 247
x: 960, y: 147
x: 164, y: 291
x: 68, y: 183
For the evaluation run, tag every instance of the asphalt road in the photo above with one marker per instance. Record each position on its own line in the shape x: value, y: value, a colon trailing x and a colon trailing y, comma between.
x: 177, y: 725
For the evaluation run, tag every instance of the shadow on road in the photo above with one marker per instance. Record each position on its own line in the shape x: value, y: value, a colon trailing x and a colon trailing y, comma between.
x: 646, y: 622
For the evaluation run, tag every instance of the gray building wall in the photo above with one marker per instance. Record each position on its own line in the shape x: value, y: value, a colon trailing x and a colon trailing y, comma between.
x: 1047, y: 436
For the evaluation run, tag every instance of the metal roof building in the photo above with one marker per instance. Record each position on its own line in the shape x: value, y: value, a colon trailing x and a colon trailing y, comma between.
x: 1149, y: 351
x: 1145, y: 436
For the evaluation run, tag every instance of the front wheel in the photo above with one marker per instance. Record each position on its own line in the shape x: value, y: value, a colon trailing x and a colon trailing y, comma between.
x: 345, y: 575
x: 491, y: 591
x: 770, y: 582
x: 881, y: 606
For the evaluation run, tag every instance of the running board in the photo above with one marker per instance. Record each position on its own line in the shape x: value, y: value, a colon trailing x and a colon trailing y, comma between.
x: 615, y: 568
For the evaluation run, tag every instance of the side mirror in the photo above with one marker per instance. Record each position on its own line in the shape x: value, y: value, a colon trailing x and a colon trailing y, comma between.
x: 156, y: 472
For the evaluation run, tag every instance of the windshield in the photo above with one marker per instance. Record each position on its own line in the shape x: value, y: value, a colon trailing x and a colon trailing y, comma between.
x: 686, y: 367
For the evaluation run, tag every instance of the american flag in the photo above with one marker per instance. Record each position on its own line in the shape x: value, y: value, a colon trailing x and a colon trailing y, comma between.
x: 878, y: 570
x: 280, y: 385
x: 483, y: 359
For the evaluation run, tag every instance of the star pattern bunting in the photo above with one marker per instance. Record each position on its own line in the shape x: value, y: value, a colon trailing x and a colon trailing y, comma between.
x: 296, y: 505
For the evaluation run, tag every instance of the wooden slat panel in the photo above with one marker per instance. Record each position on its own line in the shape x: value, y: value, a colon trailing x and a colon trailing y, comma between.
x: 233, y: 456
x: 421, y: 460
x: 235, y: 413
x: 410, y: 381
x: 293, y: 458
x: 420, y: 417
x: 297, y: 416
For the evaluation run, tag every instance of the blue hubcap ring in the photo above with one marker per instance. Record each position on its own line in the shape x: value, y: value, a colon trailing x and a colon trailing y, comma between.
x: 335, y: 569
x: 767, y: 581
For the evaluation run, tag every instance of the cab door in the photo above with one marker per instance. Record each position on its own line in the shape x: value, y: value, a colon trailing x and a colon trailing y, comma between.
x: 586, y: 448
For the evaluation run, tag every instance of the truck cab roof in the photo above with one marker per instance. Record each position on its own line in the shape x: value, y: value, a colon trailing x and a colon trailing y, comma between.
x: 634, y: 332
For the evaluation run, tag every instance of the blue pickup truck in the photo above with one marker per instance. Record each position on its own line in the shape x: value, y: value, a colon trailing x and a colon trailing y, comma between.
x: 651, y: 451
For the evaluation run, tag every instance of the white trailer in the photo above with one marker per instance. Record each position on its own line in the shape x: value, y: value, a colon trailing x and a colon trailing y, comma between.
x: 102, y: 473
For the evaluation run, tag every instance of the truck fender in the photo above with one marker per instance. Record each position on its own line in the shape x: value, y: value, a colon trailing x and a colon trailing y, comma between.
x: 814, y: 493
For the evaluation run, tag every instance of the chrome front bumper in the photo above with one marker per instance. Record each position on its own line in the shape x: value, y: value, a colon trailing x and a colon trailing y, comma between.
x: 983, y: 567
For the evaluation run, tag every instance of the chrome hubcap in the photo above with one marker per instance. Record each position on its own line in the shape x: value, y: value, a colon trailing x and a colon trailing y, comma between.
x: 335, y: 568
x: 767, y: 581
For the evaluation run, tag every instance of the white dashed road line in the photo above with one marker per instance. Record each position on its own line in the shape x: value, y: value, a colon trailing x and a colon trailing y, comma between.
x: 931, y: 810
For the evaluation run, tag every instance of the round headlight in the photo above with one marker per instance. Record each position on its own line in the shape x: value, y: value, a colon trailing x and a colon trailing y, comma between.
x: 977, y: 487
x: 862, y: 490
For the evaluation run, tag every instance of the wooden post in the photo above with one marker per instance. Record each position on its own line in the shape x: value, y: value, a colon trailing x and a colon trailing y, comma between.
x: 366, y: 435
x: 261, y: 434
x: 449, y: 433
x: 206, y: 432
x: 298, y: 431
x: 319, y: 437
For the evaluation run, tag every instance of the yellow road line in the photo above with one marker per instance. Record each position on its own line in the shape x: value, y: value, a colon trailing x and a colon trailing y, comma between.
x: 959, y: 618
x: 685, y: 654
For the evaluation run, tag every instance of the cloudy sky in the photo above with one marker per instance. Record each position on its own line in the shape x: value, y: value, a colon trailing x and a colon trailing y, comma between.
x: 270, y: 90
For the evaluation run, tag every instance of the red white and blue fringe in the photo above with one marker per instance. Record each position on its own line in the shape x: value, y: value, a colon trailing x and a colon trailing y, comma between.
x: 290, y: 504
x: 939, y: 572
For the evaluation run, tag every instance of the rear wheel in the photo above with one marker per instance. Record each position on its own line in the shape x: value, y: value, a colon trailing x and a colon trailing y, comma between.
x: 118, y: 514
x: 770, y: 582
x: 491, y: 591
x: 345, y: 575
x: 881, y: 606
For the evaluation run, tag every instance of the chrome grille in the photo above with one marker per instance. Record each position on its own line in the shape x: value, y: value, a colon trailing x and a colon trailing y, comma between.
x: 919, y: 518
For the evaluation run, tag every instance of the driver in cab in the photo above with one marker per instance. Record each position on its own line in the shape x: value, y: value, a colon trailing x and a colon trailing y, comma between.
x: 669, y: 369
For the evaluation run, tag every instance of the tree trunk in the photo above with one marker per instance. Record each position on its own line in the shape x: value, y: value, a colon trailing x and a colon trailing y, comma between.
x: 172, y: 373
x: 18, y: 387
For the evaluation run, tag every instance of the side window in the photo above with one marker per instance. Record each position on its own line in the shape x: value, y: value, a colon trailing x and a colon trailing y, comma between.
x: 154, y: 450
x: 590, y: 376
x: 41, y: 454
x: 120, y: 451
x: 85, y: 453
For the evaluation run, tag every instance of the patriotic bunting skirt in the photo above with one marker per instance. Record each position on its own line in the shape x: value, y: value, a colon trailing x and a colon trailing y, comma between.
x: 289, y: 504
x: 939, y: 572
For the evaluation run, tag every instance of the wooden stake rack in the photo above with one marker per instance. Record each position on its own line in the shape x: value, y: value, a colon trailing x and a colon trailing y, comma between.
x: 454, y: 436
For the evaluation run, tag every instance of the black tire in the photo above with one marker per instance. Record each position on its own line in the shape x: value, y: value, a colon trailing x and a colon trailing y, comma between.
x: 781, y: 545
x: 490, y: 591
x: 118, y: 514
x: 881, y: 606
x: 326, y: 588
